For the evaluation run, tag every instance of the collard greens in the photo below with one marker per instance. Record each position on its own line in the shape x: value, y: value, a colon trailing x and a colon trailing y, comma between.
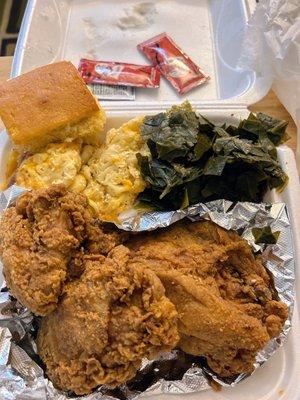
x: 265, y: 235
x: 192, y: 160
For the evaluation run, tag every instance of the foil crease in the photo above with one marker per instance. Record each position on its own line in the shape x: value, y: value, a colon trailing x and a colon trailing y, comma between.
x: 21, y: 371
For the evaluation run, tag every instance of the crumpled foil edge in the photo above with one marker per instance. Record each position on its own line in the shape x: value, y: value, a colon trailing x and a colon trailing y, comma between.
x: 22, y: 377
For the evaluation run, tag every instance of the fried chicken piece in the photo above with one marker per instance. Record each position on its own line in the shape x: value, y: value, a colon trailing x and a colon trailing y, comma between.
x: 228, y: 308
x: 212, y: 327
x: 37, y: 238
x: 106, y: 305
x: 41, y: 244
x: 103, y: 237
x: 107, y: 321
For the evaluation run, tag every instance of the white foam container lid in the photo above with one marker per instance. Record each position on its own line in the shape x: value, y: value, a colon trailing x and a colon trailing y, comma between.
x: 210, y: 32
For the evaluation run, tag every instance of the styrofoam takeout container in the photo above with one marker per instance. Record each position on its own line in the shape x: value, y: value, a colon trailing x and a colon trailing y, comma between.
x: 210, y: 31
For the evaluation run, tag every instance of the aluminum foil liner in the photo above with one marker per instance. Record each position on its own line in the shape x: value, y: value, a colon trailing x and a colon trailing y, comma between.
x: 21, y: 371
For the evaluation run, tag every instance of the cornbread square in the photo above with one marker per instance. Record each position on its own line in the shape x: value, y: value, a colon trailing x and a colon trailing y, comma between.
x: 45, y: 104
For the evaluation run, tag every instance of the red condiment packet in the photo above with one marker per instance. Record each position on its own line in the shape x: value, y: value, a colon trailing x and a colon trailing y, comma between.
x: 173, y: 63
x: 117, y: 73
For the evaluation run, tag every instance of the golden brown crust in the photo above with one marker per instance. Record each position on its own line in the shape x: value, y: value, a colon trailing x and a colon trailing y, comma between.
x: 41, y: 241
x: 105, y: 324
x: 117, y: 303
x: 212, y: 327
x: 228, y: 309
x: 43, y: 100
x: 37, y: 238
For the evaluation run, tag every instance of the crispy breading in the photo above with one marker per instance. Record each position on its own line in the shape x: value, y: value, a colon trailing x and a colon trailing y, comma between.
x: 112, y: 305
x: 39, y: 236
x: 212, y: 327
x: 110, y: 319
x: 228, y: 308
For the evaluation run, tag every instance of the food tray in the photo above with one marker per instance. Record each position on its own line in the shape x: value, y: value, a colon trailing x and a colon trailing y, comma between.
x: 210, y: 32
x: 70, y: 29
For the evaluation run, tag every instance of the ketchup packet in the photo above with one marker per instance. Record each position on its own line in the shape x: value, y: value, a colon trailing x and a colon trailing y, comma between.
x: 173, y: 63
x: 116, y: 73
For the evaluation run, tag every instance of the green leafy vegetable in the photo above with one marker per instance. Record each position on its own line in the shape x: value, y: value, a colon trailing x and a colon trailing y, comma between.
x: 202, y: 146
x: 265, y: 235
x: 215, y: 166
x: 276, y: 129
x: 192, y: 160
x: 232, y: 149
x: 163, y: 177
x: 171, y: 134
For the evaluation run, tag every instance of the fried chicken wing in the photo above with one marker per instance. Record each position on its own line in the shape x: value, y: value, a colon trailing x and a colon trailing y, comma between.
x: 39, y: 238
x: 228, y: 309
x: 110, y: 319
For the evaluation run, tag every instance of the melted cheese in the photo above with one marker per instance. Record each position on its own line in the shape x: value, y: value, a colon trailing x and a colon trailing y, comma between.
x: 113, y: 175
x: 108, y: 175
x: 57, y: 163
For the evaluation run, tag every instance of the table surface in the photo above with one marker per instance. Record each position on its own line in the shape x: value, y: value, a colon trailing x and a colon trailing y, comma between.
x: 269, y: 104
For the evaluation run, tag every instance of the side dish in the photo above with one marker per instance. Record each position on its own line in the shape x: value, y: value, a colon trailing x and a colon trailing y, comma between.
x: 57, y: 163
x: 50, y: 104
x: 165, y: 161
x: 193, y: 160
x: 113, y: 175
